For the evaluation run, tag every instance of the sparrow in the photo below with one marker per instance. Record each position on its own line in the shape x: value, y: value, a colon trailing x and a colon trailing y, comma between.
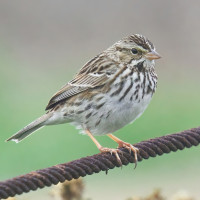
x: 110, y: 91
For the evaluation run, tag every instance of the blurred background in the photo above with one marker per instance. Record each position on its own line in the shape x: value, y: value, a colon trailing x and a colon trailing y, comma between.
x: 43, y: 43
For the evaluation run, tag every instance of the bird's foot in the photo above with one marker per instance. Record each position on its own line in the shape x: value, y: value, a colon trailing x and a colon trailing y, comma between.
x: 112, y: 151
x: 130, y: 148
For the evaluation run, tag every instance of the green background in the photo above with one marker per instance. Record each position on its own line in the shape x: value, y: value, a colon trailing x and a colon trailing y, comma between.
x: 41, y: 49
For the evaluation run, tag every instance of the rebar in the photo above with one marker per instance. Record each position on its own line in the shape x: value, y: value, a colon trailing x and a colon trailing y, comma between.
x: 96, y: 163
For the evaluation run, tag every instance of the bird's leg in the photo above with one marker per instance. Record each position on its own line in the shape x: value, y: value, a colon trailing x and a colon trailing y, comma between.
x: 126, y: 145
x: 105, y: 149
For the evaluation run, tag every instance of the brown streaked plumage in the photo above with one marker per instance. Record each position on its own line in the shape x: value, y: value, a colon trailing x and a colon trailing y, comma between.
x: 110, y: 91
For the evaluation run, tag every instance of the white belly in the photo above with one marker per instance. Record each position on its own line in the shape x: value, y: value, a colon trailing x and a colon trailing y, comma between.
x: 120, y: 114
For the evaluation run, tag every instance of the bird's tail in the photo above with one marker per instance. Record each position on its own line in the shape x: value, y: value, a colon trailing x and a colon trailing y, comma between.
x: 32, y: 127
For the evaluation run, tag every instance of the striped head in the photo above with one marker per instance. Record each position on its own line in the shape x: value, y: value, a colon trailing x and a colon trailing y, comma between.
x: 132, y: 50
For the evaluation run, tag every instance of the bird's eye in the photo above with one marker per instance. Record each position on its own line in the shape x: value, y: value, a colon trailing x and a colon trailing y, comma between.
x: 134, y: 51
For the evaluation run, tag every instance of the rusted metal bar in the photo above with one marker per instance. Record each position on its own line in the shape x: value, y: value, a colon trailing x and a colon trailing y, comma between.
x: 96, y: 163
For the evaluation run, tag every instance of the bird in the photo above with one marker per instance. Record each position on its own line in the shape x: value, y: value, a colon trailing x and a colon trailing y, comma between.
x: 110, y: 91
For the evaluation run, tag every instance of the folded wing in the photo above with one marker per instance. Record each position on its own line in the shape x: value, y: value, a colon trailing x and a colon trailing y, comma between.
x: 93, y: 74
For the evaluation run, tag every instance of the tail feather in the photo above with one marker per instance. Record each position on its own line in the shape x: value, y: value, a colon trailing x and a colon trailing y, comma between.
x: 32, y: 127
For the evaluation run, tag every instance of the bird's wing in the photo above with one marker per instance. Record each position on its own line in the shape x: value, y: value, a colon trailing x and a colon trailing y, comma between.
x: 90, y: 76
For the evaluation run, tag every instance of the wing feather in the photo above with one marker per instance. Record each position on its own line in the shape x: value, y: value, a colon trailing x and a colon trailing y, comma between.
x: 96, y: 72
x: 77, y: 85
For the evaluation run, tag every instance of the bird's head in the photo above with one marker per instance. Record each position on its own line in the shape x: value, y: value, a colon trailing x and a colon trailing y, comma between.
x: 134, y: 49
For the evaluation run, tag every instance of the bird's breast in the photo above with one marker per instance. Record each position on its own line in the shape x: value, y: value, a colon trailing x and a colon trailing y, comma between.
x: 108, y: 110
x: 128, y: 97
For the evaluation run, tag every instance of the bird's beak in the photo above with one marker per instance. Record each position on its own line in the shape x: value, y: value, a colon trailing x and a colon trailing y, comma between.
x: 152, y: 55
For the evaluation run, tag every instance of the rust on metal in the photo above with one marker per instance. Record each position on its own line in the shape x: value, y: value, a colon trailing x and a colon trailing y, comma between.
x: 96, y: 163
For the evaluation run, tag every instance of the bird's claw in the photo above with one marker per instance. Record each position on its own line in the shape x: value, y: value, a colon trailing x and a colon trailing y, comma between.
x: 112, y: 151
x: 130, y: 148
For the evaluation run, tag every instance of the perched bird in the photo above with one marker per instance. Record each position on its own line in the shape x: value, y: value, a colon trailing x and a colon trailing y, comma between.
x: 111, y: 90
